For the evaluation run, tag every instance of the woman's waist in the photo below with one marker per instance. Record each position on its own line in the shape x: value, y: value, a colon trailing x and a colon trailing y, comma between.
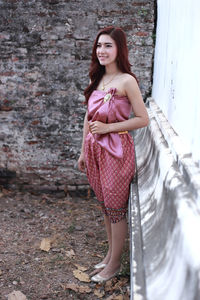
x: 110, y: 135
x: 112, y: 142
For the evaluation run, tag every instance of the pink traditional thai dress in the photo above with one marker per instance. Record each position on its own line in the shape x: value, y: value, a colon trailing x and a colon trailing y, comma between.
x: 110, y: 159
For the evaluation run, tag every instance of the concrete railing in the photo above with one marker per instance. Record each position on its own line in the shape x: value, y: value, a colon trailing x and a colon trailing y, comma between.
x: 164, y: 216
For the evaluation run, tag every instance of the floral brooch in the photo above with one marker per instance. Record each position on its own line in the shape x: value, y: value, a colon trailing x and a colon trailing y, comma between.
x: 107, y: 97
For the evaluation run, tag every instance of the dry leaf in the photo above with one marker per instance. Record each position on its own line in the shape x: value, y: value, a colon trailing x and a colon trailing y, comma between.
x: 84, y: 289
x: 81, y: 276
x: 5, y: 192
x: 71, y: 286
x: 112, y: 286
x: 126, y: 297
x: 45, y: 244
x: 108, y: 286
x: 119, y: 297
x: 16, y: 295
x: 99, y: 294
x: 111, y: 297
x: 115, y: 297
x: 81, y: 268
x: 119, y: 284
x: 97, y: 255
x: 70, y: 253
x: 102, y: 243
x: 1, y: 272
x: 78, y: 288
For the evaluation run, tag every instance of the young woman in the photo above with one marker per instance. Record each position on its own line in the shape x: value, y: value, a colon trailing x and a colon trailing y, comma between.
x: 107, y: 152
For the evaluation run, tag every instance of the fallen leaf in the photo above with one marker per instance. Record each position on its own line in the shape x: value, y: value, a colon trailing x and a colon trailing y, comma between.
x: 120, y: 283
x: 16, y: 295
x: 84, y: 289
x: 115, y: 297
x: 1, y: 272
x: 119, y: 297
x: 102, y: 243
x: 45, y: 244
x: 78, y: 288
x: 71, y: 286
x: 70, y: 253
x: 81, y: 268
x: 99, y: 294
x: 5, y: 192
x: 111, y: 286
x: 97, y: 255
x: 126, y: 297
x: 81, y: 276
x: 108, y: 286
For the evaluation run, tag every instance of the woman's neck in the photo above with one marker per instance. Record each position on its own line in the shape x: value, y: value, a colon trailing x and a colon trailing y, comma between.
x: 111, y: 69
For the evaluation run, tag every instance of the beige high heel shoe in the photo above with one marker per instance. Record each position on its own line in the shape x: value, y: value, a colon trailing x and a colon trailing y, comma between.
x: 100, y: 266
x: 99, y: 278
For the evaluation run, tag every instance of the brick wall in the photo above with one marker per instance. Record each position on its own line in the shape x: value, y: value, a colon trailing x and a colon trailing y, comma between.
x: 45, y: 49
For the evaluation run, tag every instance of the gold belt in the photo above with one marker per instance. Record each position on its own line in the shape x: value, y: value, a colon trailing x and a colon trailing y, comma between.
x: 122, y: 132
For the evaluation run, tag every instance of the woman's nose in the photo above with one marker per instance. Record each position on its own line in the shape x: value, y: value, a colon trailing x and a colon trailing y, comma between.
x: 102, y: 49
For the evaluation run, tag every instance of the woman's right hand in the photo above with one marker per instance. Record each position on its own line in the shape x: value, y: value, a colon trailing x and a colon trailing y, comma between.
x: 81, y: 163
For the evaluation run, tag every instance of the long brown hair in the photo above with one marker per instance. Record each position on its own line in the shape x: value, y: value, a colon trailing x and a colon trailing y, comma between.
x: 96, y: 70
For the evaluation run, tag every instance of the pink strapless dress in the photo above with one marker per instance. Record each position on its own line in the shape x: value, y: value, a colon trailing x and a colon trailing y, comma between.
x: 110, y: 159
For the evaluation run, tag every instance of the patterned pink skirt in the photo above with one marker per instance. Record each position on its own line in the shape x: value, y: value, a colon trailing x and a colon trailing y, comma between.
x: 110, y: 177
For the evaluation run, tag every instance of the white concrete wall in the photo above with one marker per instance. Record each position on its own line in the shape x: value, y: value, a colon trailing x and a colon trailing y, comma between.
x: 176, y: 81
x: 168, y: 202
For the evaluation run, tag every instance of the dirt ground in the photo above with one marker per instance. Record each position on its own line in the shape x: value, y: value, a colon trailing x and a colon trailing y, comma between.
x: 49, y: 245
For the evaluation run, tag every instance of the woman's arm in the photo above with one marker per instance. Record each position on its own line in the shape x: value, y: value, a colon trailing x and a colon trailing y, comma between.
x: 81, y: 160
x: 85, y: 131
x: 140, y: 118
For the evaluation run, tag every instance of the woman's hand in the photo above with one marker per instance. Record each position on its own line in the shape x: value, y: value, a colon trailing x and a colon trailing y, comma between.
x: 98, y: 127
x: 81, y: 163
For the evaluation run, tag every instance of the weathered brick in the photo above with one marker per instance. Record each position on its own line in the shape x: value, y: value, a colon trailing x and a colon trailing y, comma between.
x: 142, y: 33
x: 5, y: 108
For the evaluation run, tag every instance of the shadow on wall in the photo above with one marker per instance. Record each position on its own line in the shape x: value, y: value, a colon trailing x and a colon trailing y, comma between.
x: 168, y: 214
x: 6, y: 177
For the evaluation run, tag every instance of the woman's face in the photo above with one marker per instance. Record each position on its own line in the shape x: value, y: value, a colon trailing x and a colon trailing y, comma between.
x: 106, y: 50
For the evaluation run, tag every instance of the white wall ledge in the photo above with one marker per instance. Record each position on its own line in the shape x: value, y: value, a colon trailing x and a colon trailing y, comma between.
x: 182, y: 155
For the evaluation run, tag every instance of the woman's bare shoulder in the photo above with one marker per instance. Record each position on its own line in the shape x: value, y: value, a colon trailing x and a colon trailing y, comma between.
x: 128, y: 79
x: 125, y: 82
x: 129, y: 83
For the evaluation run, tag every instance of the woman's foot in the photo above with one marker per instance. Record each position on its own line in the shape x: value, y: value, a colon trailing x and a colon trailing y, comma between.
x: 104, y: 262
x: 100, y: 265
x: 107, y: 273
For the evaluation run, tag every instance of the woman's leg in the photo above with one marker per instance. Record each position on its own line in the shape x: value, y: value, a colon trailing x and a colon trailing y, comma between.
x: 118, y: 234
x: 109, y: 236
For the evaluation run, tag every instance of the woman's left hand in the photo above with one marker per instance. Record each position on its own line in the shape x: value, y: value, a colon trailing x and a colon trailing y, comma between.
x: 98, y: 127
